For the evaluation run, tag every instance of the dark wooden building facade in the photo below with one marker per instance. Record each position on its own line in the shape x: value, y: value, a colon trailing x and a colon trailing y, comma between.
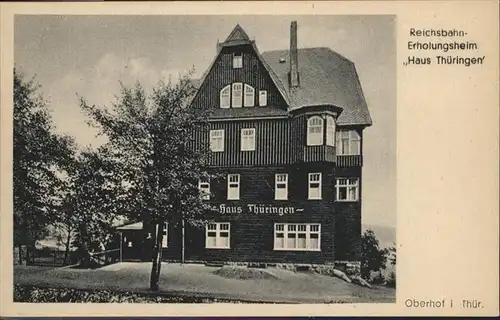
x: 286, y: 133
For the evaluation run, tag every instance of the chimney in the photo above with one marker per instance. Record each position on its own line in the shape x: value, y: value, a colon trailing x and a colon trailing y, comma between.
x: 294, y: 63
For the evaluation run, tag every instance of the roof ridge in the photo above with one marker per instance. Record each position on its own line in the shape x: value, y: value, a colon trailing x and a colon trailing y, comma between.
x: 312, y: 48
x: 237, y: 34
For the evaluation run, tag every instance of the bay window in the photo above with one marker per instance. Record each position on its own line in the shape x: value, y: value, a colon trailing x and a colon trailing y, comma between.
x: 315, y: 131
x: 330, y: 131
x: 348, y: 142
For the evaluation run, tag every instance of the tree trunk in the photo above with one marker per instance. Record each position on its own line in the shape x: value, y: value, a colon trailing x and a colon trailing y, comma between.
x: 68, y: 243
x: 155, y: 271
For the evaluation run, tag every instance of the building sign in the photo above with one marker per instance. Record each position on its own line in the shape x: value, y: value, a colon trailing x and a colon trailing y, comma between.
x: 257, y: 209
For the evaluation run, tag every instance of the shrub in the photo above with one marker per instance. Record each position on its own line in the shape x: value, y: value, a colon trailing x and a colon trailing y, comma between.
x: 391, y: 280
x: 372, y: 257
x: 42, y: 294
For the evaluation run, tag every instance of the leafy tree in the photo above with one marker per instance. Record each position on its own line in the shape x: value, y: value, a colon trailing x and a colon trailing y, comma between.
x: 38, y: 152
x: 153, y: 139
x: 90, y: 203
x: 373, y: 258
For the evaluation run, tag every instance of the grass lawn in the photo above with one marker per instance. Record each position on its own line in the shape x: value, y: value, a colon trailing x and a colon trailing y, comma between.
x: 268, y: 285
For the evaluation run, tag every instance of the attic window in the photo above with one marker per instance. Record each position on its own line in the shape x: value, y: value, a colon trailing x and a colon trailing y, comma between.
x: 224, y: 97
x: 237, y: 95
x: 238, y: 60
x: 262, y: 98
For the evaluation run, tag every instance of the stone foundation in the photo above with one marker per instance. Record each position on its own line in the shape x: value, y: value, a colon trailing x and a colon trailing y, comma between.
x: 350, y: 268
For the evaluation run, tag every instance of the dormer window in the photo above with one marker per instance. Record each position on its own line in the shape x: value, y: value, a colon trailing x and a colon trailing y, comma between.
x: 330, y: 131
x: 315, y: 131
x: 237, y: 95
x: 225, y: 95
x: 238, y: 60
x: 348, y: 142
x: 262, y: 98
x: 249, y: 96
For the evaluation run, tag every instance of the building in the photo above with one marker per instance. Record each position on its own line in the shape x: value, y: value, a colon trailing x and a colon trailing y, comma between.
x: 287, y: 133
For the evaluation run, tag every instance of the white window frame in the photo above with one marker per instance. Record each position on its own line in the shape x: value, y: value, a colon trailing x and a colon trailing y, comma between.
x: 263, y: 98
x: 249, y: 96
x: 217, y: 140
x: 247, y: 140
x: 350, y: 183
x: 237, y: 95
x: 315, y: 138
x: 218, y: 228
x: 310, y: 182
x: 304, y: 229
x: 330, y: 131
x: 225, y: 97
x: 233, y: 186
x: 281, y: 179
x: 353, y: 142
x: 238, y: 60
x: 204, y: 187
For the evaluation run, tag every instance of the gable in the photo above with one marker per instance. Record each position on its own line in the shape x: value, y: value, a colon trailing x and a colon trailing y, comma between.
x: 253, y: 73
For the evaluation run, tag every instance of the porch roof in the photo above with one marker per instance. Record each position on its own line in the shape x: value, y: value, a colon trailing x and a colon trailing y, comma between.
x: 131, y: 226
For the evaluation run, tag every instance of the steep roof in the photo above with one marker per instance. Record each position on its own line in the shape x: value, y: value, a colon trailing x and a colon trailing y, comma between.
x: 239, y: 37
x: 326, y: 78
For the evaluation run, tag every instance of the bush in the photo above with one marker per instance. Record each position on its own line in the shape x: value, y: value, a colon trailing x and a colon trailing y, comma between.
x: 391, y: 280
x: 42, y: 294
x: 372, y: 257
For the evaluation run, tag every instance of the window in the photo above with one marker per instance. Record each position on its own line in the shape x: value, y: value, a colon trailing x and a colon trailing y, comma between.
x: 217, y: 235
x: 237, y: 95
x: 281, y: 186
x: 314, y: 186
x: 348, y: 142
x: 217, y: 140
x: 164, y: 240
x: 238, y: 60
x: 249, y: 96
x: 233, y: 187
x: 314, y: 131
x: 204, y: 186
x: 225, y: 94
x: 248, y: 139
x: 262, y: 98
x: 330, y: 131
x: 297, y: 236
x: 347, y: 189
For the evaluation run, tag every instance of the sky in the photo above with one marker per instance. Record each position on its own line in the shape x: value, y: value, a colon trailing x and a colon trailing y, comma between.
x: 89, y: 56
